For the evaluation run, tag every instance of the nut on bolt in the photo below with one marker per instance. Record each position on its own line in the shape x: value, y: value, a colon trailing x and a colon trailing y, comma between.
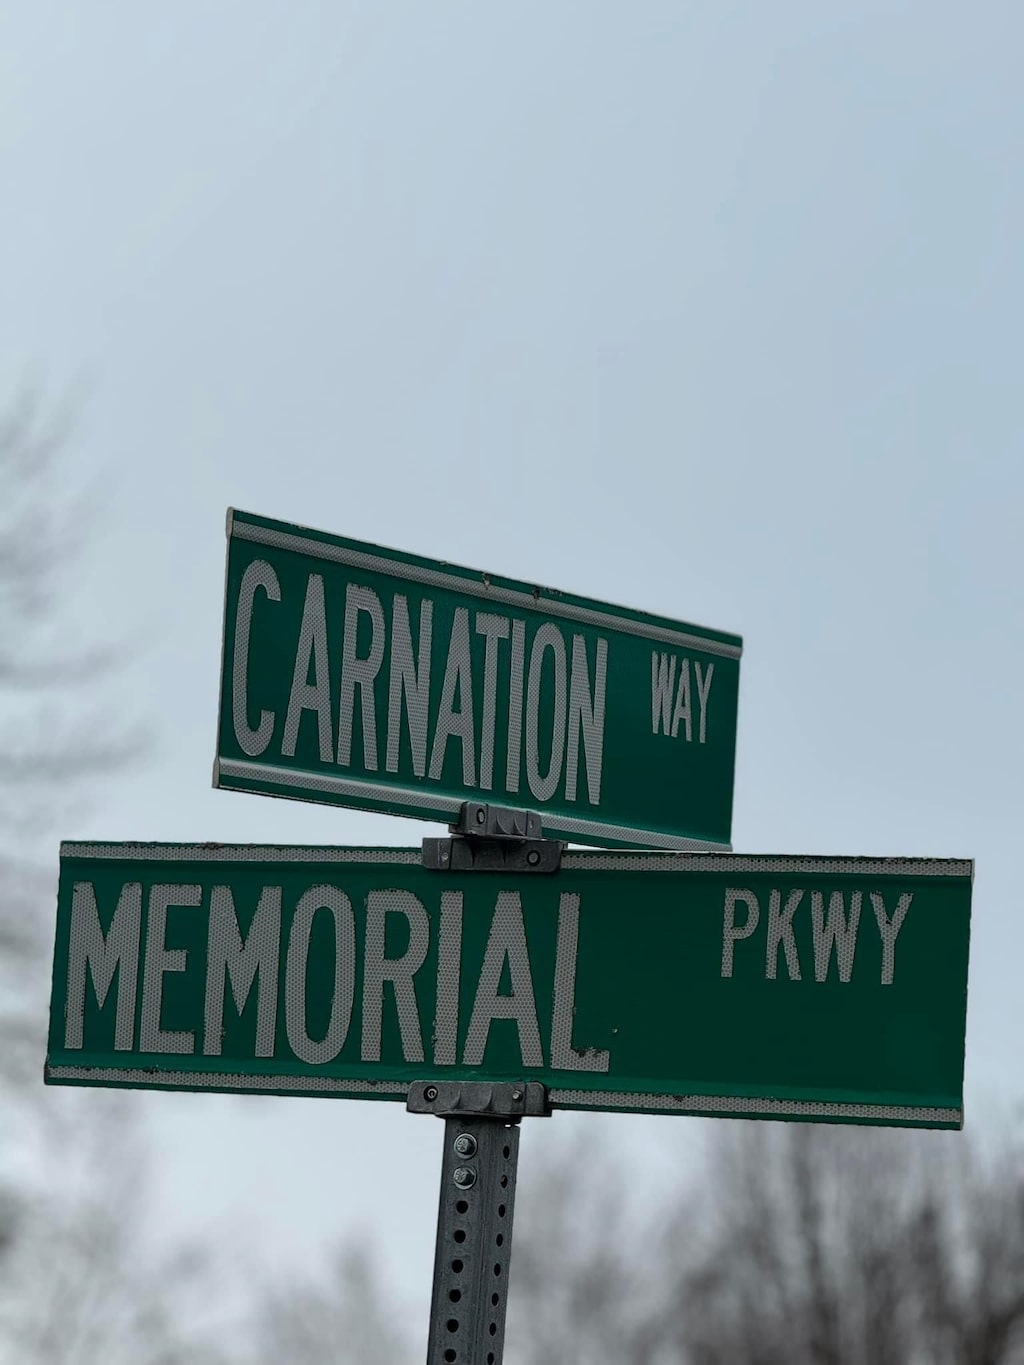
x: 465, y: 1145
x: 464, y: 1177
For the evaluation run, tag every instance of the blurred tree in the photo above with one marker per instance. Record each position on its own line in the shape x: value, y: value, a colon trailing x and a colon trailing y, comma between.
x: 796, y: 1245
x: 83, y: 1283
x: 57, y: 731
x: 346, y: 1320
x: 75, y: 1284
x: 584, y: 1282
x: 82, y: 1280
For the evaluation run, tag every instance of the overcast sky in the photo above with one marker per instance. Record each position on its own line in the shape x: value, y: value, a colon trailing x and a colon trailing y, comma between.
x: 710, y: 309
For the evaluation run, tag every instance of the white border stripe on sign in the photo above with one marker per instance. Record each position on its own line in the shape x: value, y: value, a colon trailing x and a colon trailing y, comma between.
x: 446, y: 806
x: 243, y: 853
x: 765, y: 1108
x: 571, y: 862
x: 213, y: 1080
x: 742, y: 862
x: 341, y: 786
x: 434, y: 578
x: 593, y: 1099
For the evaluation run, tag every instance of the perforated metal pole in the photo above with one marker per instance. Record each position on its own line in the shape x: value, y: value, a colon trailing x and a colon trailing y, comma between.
x: 474, y: 1242
x: 481, y: 1133
x: 474, y: 1220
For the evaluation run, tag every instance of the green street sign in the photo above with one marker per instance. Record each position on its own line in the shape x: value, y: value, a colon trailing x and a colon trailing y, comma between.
x: 365, y: 677
x: 806, y: 988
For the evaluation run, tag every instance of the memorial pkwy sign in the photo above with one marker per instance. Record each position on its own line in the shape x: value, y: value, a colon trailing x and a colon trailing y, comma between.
x: 768, y: 987
x: 357, y: 675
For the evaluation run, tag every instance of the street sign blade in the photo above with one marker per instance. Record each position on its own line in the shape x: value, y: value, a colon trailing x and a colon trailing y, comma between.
x: 772, y: 987
x: 361, y: 676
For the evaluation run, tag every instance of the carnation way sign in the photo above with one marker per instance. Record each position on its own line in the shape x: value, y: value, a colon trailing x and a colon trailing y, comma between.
x: 805, y: 988
x: 365, y: 677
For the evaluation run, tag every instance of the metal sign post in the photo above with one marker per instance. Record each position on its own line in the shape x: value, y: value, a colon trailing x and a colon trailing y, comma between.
x: 481, y: 1129
x: 474, y: 1220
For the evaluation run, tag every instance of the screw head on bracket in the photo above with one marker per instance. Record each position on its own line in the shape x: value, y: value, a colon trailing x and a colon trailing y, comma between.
x: 465, y: 1145
x: 430, y: 1092
x: 464, y: 1177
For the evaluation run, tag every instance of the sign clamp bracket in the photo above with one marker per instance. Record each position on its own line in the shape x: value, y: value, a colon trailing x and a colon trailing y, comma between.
x: 474, y: 1220
x: 489, y: 838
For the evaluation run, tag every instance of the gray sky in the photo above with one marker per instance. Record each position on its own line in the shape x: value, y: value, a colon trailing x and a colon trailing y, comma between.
x: 713, y: 310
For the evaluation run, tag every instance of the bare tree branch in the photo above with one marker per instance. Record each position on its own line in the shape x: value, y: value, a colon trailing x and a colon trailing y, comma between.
x: 796, y: 1245
x: 344, y: 1319
x: 55, y: 740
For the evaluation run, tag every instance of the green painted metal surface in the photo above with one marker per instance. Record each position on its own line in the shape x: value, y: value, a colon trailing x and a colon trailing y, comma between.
x: 768, y: 987
x: 357, y: 675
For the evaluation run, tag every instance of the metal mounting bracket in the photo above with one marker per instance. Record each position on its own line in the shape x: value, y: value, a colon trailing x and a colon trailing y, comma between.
x: 493, y: 839
x: 497, y: 822
x: 509, y: 1101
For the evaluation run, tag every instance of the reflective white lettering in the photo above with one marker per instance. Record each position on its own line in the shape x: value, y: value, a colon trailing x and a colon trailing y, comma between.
x: 230, y: 958
x: 325, y: 1049
x: 703, y: 692
x: 398, y: 970
x: 663, y: 679
x: 315, y: 695
x: 889, y: 930
x: 731, y: 931
x: 838, y: 932
x: 360, y: 672
x: 457, y: 674
x: 102, y: 955
x: 780, y: 930
x: 564, y: 1057
x: 411, y: 680
x: 449, y: 965
x: 543, y: 785
x: 586, y: 715
x: 258, y: 574
x: 517, y: 667
x: 681, y: 713
x: 159, y: 961
x: 493, y: 629
x: 505, y: 943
